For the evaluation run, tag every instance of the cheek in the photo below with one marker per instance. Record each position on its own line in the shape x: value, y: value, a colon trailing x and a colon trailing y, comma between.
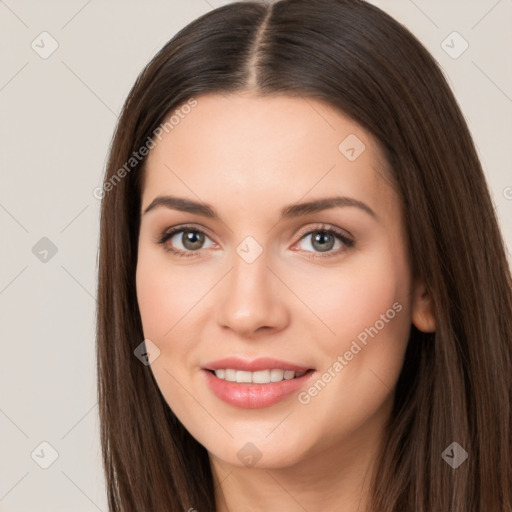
x: 165, y: 293
x: 366, y: 305
x: 165, y: 296
x: 152, y: 298
x: 353, y: 298
x: 368, y: 310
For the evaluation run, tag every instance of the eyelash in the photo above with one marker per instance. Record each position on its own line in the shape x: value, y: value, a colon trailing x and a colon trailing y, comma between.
x: 167, y: 235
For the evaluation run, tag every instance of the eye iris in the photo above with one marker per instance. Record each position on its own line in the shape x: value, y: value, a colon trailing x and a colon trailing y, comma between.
x: 321, y: 237
x: 192, y: 240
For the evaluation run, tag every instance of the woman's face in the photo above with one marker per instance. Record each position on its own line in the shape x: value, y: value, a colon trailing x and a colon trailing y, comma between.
x: 249, y: 282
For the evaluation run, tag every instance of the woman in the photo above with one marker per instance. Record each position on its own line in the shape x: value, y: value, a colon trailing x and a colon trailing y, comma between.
x: 304, y: 301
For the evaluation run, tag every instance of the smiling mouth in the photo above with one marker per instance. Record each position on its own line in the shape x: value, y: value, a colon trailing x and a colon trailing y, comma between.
x: 257, y: 377
x: 256, y: 389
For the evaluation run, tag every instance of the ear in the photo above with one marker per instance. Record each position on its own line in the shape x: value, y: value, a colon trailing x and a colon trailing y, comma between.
x: 423, y: 309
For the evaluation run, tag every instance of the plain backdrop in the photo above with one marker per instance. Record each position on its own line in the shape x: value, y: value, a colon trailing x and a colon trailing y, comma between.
x: 57, y: 114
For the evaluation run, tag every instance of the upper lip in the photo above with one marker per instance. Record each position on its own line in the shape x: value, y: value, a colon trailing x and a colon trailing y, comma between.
x: 262, y: 363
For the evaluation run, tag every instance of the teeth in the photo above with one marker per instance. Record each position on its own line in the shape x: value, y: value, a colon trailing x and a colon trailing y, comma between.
x: 230, y: 375
x: 276, y: 375
x: 243, y: 376
x: 259, y: 377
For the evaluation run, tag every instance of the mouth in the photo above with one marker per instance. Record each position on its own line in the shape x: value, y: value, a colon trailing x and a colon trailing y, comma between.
x: 266, y: 376
x: 254, y: 366
x: 255, y: 389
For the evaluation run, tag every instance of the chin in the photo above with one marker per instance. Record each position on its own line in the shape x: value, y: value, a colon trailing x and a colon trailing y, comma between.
x: 259, y: 455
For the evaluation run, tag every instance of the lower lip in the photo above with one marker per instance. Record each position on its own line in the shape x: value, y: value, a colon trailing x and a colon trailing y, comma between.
x: 254, y: 396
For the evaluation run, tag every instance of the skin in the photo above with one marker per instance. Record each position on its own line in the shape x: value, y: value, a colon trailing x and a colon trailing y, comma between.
x: 249, y: 157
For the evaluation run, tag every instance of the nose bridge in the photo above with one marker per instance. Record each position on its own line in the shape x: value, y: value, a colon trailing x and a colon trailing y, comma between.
x: 249, y: 298
x: 250, y: 269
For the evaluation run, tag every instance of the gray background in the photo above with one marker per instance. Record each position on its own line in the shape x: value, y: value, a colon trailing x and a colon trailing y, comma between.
x: 57, y: 117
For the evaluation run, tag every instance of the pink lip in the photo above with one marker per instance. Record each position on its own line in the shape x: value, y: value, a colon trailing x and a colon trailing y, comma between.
x: 254, y: 396
x: 262, y: 363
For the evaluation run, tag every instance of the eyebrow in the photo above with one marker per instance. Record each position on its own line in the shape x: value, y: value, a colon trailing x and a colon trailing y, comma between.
x: 290, y: 211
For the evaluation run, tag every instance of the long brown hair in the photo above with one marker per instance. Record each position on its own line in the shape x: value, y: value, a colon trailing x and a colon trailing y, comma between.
x: 456, y: 383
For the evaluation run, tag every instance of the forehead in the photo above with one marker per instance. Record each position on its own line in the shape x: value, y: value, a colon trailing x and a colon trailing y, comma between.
x: 252, y: 149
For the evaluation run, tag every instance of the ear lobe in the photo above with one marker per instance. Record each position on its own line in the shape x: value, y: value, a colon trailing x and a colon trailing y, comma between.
x: 423, y: 309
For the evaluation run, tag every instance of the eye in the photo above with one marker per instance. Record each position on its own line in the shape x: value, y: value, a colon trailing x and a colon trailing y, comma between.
x: 324, y: 240
x: 190, y: 238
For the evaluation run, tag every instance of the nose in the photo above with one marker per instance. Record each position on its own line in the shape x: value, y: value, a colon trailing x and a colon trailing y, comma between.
x: 252, y: 298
